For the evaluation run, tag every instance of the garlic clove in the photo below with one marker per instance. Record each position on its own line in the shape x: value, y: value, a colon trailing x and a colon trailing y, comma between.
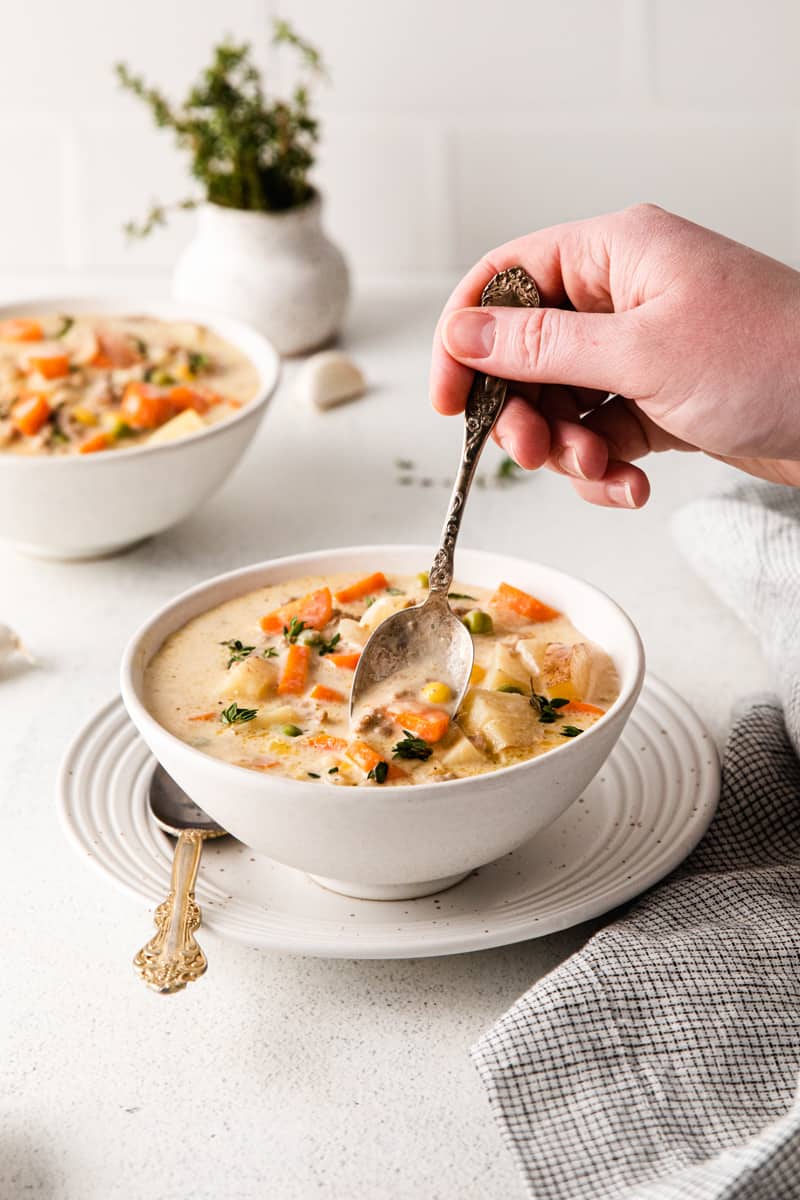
x: 10, y: 645
x: 329, y: 378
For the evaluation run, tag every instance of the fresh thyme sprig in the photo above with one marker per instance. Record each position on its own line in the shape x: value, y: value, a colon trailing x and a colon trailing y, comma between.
x: 237, y: 650
x: 248, y: 150
x: 412, y: 747
x: 547, y: 708
x: 233, y: 715
x: 293, y: 630
x: 329, y: 647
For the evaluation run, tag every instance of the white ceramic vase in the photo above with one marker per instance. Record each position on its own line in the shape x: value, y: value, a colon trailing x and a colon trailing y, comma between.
x: 279, y: 272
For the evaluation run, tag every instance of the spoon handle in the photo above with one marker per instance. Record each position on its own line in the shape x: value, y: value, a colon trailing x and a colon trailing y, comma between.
x: 513, y: 288
x: 172, y: 958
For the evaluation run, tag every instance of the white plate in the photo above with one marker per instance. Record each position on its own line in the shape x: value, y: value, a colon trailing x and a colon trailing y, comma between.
x: 645, y: 811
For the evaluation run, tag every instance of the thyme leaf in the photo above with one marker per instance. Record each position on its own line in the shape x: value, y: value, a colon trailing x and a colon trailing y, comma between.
x: 412, y: 747
x: 379, y: 772
x: 329, y: 647
x: 293, y: 630
x: 237, y: 651
x: 233, y: 715
x: 548, y: 709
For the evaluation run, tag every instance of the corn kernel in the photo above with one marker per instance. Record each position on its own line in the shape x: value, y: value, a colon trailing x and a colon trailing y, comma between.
x: 281, y: 749
x: 84, y: 415
x: 477, y: 674
x: 436, y: 692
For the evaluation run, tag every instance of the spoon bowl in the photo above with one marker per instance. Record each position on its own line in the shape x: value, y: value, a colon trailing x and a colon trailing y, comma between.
x: 416, y: 644
x: 174, y: 811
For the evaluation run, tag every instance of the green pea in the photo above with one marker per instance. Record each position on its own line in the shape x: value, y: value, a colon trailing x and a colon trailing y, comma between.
x: 510, y: 687
x: 423, y: 579
x: 291, y: 731
x: 478, y: 621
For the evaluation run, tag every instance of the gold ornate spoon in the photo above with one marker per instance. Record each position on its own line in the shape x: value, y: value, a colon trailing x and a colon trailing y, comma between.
x: 172, y: 958
x: 428, y: 641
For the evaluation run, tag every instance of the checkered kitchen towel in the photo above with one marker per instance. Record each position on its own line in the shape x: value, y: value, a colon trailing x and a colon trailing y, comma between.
x: 661, y: 1061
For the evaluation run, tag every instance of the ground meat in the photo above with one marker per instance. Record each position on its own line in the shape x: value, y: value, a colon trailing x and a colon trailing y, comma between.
x: 375, y: 722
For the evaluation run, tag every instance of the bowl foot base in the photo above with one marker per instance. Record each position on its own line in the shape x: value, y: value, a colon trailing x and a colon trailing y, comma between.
x: 57, y: 554
x: 389, y: 891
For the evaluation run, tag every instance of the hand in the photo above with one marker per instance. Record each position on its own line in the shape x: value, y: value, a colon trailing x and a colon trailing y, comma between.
x: 696, y: 337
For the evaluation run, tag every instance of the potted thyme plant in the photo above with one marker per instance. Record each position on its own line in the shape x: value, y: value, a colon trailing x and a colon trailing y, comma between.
x: 260, y: 252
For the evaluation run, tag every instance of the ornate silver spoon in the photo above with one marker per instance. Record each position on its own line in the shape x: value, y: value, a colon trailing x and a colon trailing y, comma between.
x: 172, y: 958
x: 429, y: 641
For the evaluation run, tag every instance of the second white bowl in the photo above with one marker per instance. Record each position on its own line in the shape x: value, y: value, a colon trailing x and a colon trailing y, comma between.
x: 84, y: 506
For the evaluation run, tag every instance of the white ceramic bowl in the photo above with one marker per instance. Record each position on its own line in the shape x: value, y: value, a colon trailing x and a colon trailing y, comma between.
x: 83, y: 506
x: 403, y: 841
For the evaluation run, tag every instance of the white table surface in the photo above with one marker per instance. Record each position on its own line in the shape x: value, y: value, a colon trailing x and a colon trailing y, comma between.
x: 276, y: 1075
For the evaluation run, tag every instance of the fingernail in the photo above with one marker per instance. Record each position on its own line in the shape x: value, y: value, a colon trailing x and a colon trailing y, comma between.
x: 508, y: 445
x: 469, y: 334
x: 569, y: 462
x: 620, y: 493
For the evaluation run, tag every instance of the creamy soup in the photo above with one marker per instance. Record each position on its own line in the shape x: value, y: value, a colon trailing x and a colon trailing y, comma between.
x: 263, y: 681
x: 85, y: 384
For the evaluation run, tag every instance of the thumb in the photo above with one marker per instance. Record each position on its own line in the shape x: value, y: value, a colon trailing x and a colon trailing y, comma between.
x: 545, y: 345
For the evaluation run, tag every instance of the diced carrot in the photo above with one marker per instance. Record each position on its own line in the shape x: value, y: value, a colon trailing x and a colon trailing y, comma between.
x: 51, y: 366
x: 145, y: 406
x: 210, y: 716
x: 345, y: 662
x: 100, y: 441
x: 363, y: 755
x: 362, y: 588
x: 30, y: 413
x: 114, y: 350
x: 581, y: 706
x: 320, y: 692
x: 184, y: 397
x: 431, y: 724
x: 295, y: 670
x: 523, y: 604
x: 21, y: 329
x: 326, y: 741
x: 259, y: 764
x: 314, y: 610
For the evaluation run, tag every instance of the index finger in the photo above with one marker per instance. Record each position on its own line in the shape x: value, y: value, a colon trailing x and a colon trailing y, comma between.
x: 543, y: 255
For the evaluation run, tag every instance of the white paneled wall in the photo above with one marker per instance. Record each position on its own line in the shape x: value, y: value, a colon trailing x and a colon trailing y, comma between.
x: 449, y: 125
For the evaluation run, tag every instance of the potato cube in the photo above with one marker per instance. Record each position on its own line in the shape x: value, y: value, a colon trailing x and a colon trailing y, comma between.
x: 352, y: 632
x: 461, y: 752
x: 531, y: 651
x: 504, y: 719
x: 268, y: 718
x: 575, y: 672
x: 252, y: 679
x: 186, y: 422
x: 381, y: 609
x: 507, y: 670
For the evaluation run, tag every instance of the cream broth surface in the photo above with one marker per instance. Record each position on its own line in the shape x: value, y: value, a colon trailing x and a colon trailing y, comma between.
x: 263, y: 681
x: 86, y: 384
